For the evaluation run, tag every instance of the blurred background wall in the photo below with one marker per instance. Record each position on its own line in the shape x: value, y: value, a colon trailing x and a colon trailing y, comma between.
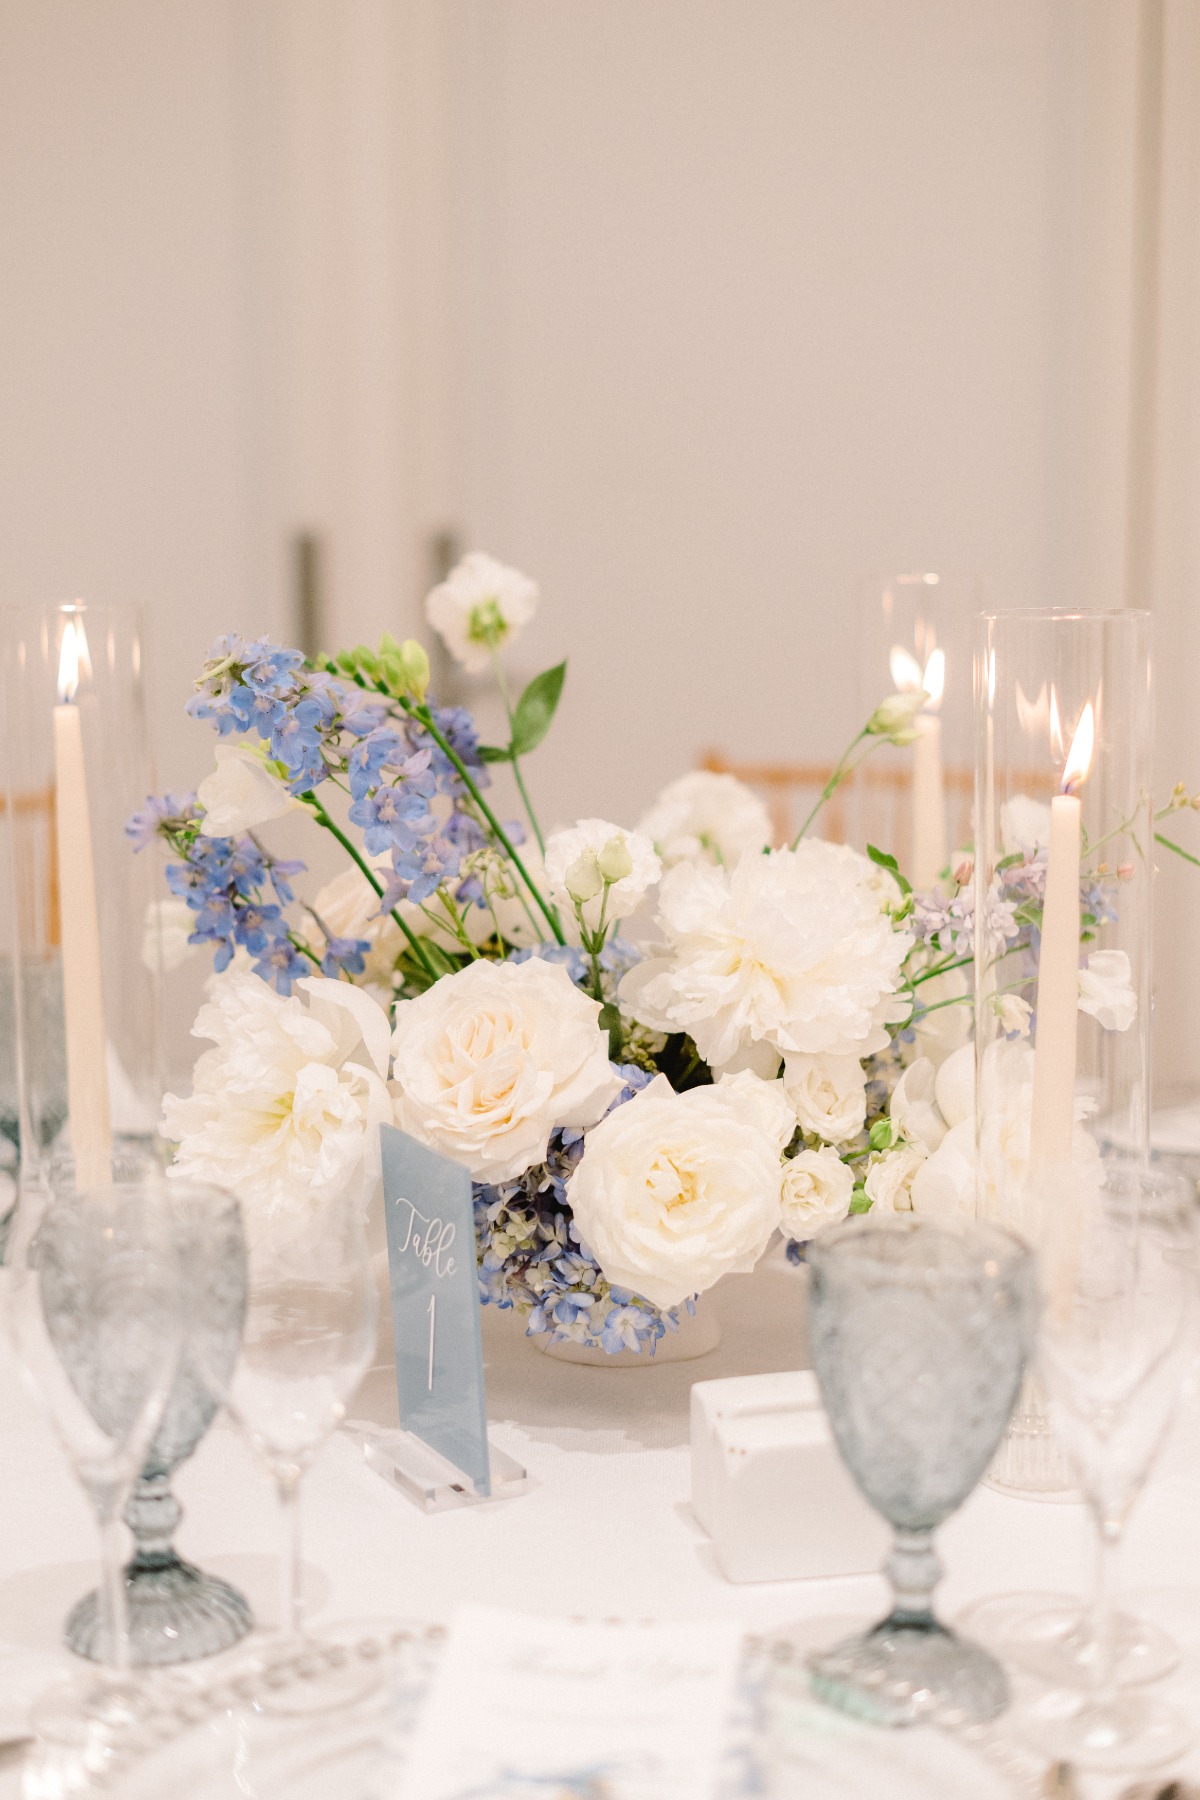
x: 697, y: 310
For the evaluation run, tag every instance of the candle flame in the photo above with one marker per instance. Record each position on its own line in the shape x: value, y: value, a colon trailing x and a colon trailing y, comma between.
x: 68, y: 665
x: 1082, y: 744
x: 934, y: 683
x: 906, y: 670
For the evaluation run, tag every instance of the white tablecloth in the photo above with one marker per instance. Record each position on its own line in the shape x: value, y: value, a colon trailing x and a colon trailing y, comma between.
x: 605, y: 1528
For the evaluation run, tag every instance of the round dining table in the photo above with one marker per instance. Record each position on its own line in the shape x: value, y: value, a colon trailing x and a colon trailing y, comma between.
x: 604, y: 1527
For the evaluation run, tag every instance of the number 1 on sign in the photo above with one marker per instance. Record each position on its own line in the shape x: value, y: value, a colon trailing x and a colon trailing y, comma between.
x: 432, y: 1329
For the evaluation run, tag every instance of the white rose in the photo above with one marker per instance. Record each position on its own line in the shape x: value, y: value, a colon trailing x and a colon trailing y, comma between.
x: 829, y: 1094
x: 676, y: 1190
x: 955, y: 1086
x: 913, y: 1110
x: 817, y: 1187
x: 489, y: 1061
x: 284, y: 1109
x: 480, y: 606
x: 889, y: 1183
x: 705, y: 817
x: 1106, y: 990
x: 1024, y: 826
x: 166, y: 929
x: 790, y: 950
x: 944, y: 1185
x: 566, y: 850
x: 242, y: 792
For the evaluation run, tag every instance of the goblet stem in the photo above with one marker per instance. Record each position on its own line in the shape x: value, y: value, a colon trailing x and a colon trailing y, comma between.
x: 288, y: 1484
x: 914, y: 1571
x: 114, y: 1601
x: 1104, y: 1659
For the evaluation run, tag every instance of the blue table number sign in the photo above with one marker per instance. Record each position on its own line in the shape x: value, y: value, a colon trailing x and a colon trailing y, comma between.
x: 435, y: 1305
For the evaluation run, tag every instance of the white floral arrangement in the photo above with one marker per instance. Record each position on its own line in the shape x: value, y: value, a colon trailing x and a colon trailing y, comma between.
x: 778, y: 1039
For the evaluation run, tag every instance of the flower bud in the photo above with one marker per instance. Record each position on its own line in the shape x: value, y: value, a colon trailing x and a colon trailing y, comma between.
x: 895, y: 717
x: 414, y: 661
x: 614, y: 860
x: 583, y: 880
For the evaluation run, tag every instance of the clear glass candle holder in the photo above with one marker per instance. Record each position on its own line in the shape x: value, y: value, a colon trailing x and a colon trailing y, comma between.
x: 1064, y: 839
x: 915, y: 800
x: 79, y: 1062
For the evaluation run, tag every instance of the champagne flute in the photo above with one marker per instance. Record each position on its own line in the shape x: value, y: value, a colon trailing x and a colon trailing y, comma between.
x: 97, y: 1319
x: 309, y: 1339
x: 1115, y: 1348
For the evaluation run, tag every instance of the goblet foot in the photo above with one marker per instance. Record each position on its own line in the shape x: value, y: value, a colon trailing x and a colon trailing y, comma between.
x: 1050, y: 1636
x: 177, y: 1613
x: 907, y: 1674
x: 1131, y: 1731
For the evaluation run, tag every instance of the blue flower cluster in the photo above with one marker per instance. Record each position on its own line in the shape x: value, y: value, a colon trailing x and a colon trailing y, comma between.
x: 531, y: 1257
x: 225, y: 882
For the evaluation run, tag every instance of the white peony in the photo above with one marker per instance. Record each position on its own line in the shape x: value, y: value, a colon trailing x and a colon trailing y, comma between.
x: 829, y: 1094
x: 479, y: 607
x: 583, y: 847
x: 889, y: 1183
x: 676, y: 1190
x: 1106, y: 990
x: 166, y: 930
x: 284, y: 1108
x: 242, y: 792
x: 489, y: 1061
x: 817, y: 1187
x: 706, y: 817
x: 790, y: 952
x: 913, y: 1109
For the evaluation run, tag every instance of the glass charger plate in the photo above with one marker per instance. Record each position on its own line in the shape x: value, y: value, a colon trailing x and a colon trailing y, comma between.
x: 226, y: 1743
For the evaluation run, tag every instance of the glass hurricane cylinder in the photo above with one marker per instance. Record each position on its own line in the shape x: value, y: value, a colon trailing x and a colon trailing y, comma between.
x: 915, y: 800
x: 1064, y: 839
x: 79, y: 1066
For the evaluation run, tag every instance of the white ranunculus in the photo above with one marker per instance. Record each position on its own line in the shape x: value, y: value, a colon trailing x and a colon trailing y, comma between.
x: 566, y: 850
x: 1024, y: 825
x: 676, y: 1190
x: 487, y: 1062
x: 944, y: 1185
x: 829, y: 1094
x: 479, y: 607
x: 817, y: 1187
x: 954, y: 1088
x: 242, y: 792
x: 914, y: 1111
x: 890, y: 1181
x: 789, y: 950
x: 1106, y: 990
x: 285, y: 1107
x: 166, y: 928
x: 706, y: 817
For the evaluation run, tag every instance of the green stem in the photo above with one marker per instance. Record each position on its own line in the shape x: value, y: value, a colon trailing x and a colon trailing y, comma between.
x: 425, y: 717
x: 460, y: 930
x: 502, y: 684
x: 843, y: 768
x: 1179, y: 850
x: 323, y: 818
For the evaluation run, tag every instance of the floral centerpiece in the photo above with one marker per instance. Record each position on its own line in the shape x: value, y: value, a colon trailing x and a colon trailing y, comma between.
x: 654, y: 1047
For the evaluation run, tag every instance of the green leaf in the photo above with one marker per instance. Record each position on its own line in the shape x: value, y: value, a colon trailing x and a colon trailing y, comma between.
x: 1010, y: 862
x: 881, y: 1134
x: 889, y: 863
x: 536, y: 708
x: 859, y: 1202
x: 1168, y: 844
x: 494, y: 753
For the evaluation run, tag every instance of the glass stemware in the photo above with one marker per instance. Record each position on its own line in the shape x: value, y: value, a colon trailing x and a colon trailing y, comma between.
x: 309, y: 1339
x: 1116, y: 1345
x: 920, y: 1333
x: 97, y: 1317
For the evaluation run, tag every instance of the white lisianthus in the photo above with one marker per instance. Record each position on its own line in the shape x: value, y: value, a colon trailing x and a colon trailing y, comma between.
x: 166, y: 930
x: 829, y: 1094
x: 676, y: 1190
x: 242, y: 792
x: 706, y: 817
x: 889, y: 1182
x: 896, y: 716
x: 817, y: 1187
x: 790, y: 952
x: 284, y: 1107
x: 479, y: 607
x: 1106, y: 990
x: 1024, y: 826
x: 594, y: 848
x: 914, y: 1111
x: 489, y: 1061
